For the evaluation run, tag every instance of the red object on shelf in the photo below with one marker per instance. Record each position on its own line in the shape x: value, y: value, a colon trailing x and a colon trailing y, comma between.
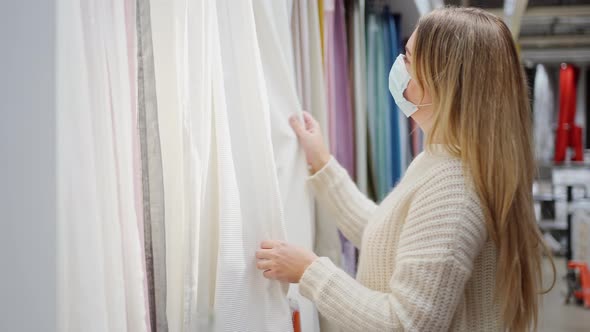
x: 584, y: 273
x: 567, y: 135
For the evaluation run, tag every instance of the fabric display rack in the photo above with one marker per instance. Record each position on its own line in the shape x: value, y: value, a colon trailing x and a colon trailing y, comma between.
x: 175, y: 114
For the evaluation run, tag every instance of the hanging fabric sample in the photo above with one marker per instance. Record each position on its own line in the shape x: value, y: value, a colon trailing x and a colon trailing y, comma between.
x: 79, y: 228
x: 223, y: 181
x: 196, y: 33
x: 278, y: 65
x: 312, y: 95
x: 112, y: 73
x: 394, y: 134
x: 341, y: 130
x: 100, y: 255
x: 372, y: 30
x: 138, y: 186
x: 379, y: 111
x: 327, y: 20
x: 164, y: 20
x: 152, y: 173
x: 360, y: 93
x: 384, y: 114
x: 321, y: 19
x: 543, y: 110
x: 252, y: 108
x: 404, y: 124
x: 307, y: 50
x: 337, y: 84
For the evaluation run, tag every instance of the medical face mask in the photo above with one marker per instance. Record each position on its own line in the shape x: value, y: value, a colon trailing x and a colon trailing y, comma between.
x: 399, y: 78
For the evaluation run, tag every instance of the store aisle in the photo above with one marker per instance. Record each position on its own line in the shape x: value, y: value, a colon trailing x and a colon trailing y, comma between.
x: 556, y: 316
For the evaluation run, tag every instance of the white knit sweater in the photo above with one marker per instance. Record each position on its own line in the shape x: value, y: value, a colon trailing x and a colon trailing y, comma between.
x: 426, y: 263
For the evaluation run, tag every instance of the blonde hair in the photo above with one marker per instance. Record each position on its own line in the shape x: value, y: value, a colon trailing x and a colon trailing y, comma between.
x: 467, y: 60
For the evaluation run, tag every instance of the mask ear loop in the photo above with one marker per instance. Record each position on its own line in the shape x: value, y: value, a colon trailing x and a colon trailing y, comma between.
x: 420, y: 105
x: 424, y: 105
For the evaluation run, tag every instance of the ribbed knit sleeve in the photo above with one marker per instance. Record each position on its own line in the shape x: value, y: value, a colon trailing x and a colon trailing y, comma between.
x: 349, y: 206
x: 441, y: 237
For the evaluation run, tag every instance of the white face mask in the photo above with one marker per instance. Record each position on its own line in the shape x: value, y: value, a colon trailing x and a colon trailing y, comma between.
x: 399, y: 78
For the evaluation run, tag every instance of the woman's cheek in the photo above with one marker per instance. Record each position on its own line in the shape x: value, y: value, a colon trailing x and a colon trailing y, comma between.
x: 413, y: 93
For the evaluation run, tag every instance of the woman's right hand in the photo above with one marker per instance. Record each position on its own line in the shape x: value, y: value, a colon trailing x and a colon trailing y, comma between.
x: 312, y: 141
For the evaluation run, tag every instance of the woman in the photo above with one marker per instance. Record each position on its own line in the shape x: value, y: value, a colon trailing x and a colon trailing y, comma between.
x: 455, y: 245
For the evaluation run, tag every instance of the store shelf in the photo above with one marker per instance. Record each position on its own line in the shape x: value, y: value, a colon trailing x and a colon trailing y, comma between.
x: 550, y: 225
x: 545, y: 198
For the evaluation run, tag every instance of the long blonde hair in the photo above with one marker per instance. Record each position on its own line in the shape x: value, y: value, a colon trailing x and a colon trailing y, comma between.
x: 467, y: 60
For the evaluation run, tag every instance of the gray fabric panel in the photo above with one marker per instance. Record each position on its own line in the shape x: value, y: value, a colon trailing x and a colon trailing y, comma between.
x: 152, y: 177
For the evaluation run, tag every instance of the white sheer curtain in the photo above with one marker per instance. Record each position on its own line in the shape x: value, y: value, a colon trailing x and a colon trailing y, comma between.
x: 234, y: 174
x: 222, y: 189
x: 165, y: 21
x: 102, y: 278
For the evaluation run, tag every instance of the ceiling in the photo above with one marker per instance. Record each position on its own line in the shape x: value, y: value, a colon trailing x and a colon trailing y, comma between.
x: 552, y: 31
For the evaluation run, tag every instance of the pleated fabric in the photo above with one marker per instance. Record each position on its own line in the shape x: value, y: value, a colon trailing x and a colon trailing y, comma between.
x: 360, y: 93
x: 390, y: 144
x: 164, y: 23
x: 344, y: 148
x: 79, y: 228
x: 306, y: 36
x: 261, y: 304
x: 383, y: 113
x: 403, y: 133
x: 237, y: 181
x: 328, y: 13
x: 194, y: 81
x: 393, y: 133
x: 372, y: 31
x: 151, y: 171
x: 131, y: 43
x: 543, y: 114
x: 321, y: 20
x: 109, y: 33
x: 307, y: 50
x: 276, y: 51
x: 100, y: 259
x: 392, y: 138
x: 341, y: 130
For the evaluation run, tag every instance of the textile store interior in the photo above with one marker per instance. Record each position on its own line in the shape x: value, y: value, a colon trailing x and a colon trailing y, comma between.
x: 152, y: 139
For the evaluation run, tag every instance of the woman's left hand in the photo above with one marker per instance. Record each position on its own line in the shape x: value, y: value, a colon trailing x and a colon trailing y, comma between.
x: 283, y: 261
